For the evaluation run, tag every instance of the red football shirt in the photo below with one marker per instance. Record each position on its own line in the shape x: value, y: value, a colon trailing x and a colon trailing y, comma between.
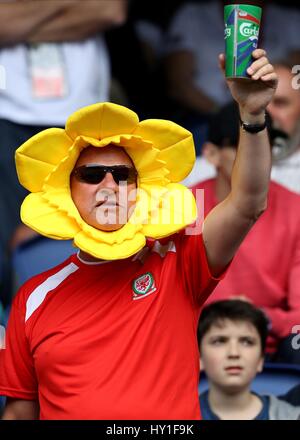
x: 111, y: 340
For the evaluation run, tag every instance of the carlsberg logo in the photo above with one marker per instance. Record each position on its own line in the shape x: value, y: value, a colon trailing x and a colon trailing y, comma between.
x: 248, y: 30
x: 227, y: 32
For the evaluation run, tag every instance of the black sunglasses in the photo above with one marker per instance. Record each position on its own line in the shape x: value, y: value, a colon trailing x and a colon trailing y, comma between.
x: 94, y: 174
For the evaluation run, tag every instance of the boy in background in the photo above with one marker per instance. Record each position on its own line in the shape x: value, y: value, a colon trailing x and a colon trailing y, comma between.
x: 232, y: 337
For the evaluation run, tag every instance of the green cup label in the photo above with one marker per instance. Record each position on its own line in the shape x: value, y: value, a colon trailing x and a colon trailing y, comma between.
x: 241, y: 33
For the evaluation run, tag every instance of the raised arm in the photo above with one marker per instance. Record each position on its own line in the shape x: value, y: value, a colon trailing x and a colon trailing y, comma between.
x: 57, y: 20
x: 229, y: 222
x: 81, y: 20
x: 18, y: 19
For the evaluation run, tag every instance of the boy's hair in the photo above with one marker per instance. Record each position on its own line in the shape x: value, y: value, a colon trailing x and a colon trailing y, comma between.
x: 234, y: 310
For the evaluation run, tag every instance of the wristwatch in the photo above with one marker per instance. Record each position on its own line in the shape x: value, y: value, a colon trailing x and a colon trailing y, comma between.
x: 253, y: 128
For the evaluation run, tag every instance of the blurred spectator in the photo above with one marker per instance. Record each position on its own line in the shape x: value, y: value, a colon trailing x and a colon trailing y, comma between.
x: 285, y: 112
x: 266, y: 268
x: 53, y: 61
x: 142, y: 41
x: 194, y: 40
x: 232, y: 337
x: 150, y: 26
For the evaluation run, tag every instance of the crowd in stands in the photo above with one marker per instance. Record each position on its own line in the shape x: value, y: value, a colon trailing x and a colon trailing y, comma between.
x: 160, y: 60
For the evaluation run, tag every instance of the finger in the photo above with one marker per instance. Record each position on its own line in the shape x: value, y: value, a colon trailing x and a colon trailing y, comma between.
x: 258, y: 53
x: 222, y: 62
x: 263, y: 71
x: 270, y: 77
x: 258, y: 64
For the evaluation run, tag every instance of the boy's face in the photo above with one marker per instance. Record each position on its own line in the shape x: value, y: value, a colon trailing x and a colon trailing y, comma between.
x: 231, y: 354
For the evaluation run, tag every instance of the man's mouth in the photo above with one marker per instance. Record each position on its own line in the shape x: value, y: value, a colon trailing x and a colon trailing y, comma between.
x: 107, y: 204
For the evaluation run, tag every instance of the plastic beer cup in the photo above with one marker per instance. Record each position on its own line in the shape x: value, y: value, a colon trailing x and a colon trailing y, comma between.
x: 241, y: 33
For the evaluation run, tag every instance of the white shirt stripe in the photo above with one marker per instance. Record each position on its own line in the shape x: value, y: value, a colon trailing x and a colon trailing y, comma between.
x: 36, y: 298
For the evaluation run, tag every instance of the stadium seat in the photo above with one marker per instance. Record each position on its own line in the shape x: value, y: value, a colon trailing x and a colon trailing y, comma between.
x: 275, y: 379
x: 38, y: 255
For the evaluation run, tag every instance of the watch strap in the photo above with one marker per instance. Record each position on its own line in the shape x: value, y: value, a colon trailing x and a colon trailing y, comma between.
x: 253, y: 128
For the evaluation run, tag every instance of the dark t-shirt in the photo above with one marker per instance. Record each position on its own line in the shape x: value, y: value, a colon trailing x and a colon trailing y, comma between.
x: 208, y: 414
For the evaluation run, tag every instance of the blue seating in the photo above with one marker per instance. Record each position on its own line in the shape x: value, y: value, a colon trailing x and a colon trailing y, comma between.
x: 276, y: 379
x: 38, y: 255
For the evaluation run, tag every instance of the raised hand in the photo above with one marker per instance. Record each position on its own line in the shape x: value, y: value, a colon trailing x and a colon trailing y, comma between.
x: 253, y: 96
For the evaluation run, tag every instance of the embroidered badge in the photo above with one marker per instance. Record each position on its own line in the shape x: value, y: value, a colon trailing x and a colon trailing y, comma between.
x: 143, y: 286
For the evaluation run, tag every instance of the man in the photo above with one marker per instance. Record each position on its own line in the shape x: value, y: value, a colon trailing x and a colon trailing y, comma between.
x: 255, y: 272
x: 193, y: 40
x: 285, y: 111
x: 232, y: 338
x: 111, y: 333
x: 44, y: 79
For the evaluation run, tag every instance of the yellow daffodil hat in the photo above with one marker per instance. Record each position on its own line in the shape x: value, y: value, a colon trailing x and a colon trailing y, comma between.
x: 163, y: 154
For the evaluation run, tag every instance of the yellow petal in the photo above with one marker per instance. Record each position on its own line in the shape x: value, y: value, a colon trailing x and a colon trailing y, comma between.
x: 127, y: 232
x: 176, y: 210
x: 128, y: 141
x: 101, y: 120
x: 38, y: 156
x: 60, y: 199
x: 107, y: 251
x: 60, y: 175
x: 39, y: 215
x: 175, y: 143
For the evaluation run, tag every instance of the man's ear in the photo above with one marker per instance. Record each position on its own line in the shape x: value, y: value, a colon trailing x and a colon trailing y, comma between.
x: 211, y: 153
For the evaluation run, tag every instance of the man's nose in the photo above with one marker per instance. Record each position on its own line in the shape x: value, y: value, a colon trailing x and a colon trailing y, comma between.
x: 107, y: 189
x: 108, y: 182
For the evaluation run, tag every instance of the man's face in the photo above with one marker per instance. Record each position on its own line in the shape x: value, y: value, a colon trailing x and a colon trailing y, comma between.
x: 285, y: 106
x: 231, y: 354
x: 106, y: 204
